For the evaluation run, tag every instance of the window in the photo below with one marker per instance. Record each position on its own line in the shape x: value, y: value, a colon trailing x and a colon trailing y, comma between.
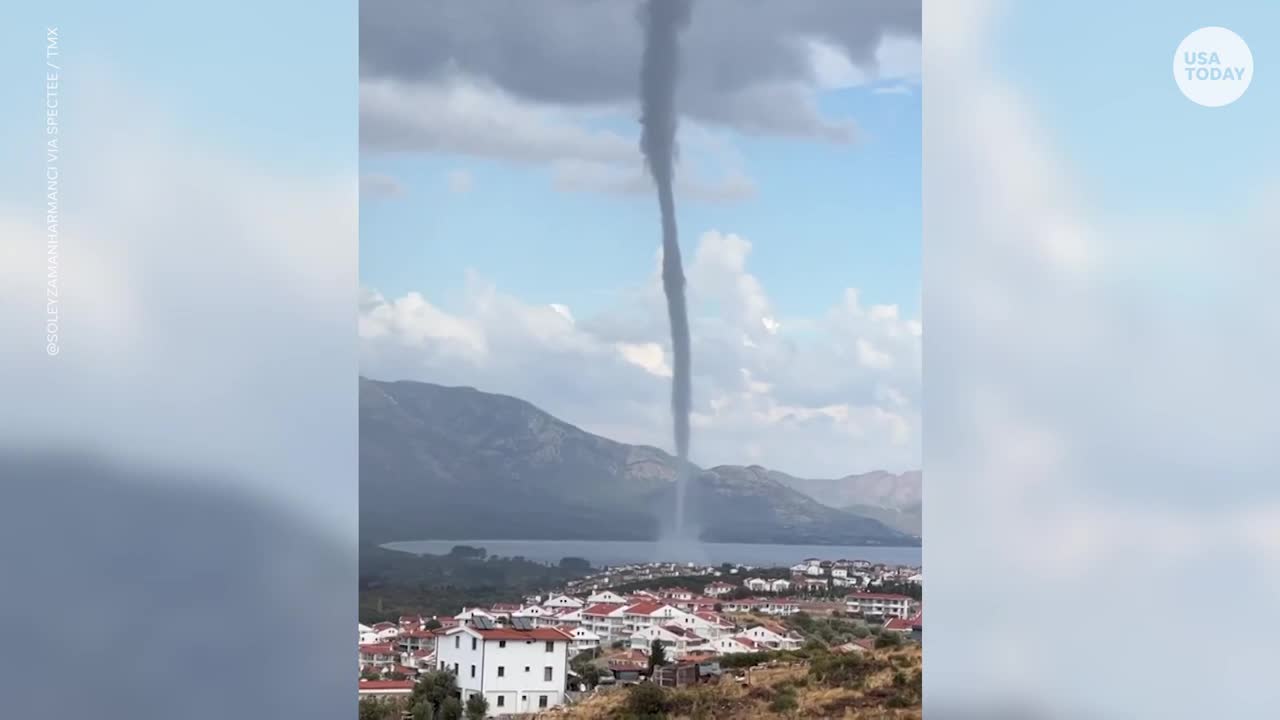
x: 455, y: 668
x: 551, y: 646
x: 502, y: 643
x: 473, y: 643
x: 546, y: 673
x: 457, y: 641
x: 542, y: 701
x: 502, y: 671
x: 502, y: 700
x: 526, y: 668
x: 473, y: 671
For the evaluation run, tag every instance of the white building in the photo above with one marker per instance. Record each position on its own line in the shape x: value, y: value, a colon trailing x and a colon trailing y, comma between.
x: 517, y: 671
x: 605, y: 596
x: 581, y: 639
x: 605, y: 620
x: 756, y: 584
x: 566, y: 616
x: 716, y: 589
x: 471, y: 614
x: 379, y: 654
x: 534, y: 612
x: 779, y: 585
x: 367, y: 635
x: 774, y: 638
x: 887, y: 604
x: 706, y: 624
x: 736, y: 644
x: 563, y: 601
x: 676, y: 640
x: 647, y: 614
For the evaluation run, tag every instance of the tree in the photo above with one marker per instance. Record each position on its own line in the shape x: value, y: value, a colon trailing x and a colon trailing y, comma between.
x: 467, y: 551
x: 575, y: 565
x: 477, y: 707
x: 888, y: 639
x: 451, y: 709
x: 583, y: 665
x: 646, y: 701
x: 842, y: 670
x: 432, y: 624
x: 372, y: 709
x: 657, y: 656
x: 433, y: 690
x: 784, y: 702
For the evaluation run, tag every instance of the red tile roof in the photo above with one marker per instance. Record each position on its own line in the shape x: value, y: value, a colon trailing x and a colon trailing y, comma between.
x: 644, y: 608
x: 898, y: 624
x: 601, y: 608
x: 378, y: 649
x: 876, y: 596
x: 542, y: 634
x: 386, y: 684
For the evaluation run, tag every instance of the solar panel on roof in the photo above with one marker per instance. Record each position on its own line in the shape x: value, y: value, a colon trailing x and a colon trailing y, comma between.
x: 482, y: 623
x: 522, y: 623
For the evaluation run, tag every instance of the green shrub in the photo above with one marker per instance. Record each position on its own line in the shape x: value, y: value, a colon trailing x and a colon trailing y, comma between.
x: 646, y: 701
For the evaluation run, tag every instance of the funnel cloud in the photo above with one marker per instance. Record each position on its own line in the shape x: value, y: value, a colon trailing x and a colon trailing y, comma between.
x: 663, y: 20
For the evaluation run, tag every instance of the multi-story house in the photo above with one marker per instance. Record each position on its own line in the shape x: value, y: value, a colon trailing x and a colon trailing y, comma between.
x: 516, y: 671
x: 379, y: 654
x: 773, y: 637
x: 717, y: 588
x: 581, y: 639
x: 675, y: 640
x: 563, y: 601
x: 647, y: 613
x: 704, y: 624
x: 605, y: 596
x: 886, y: 604
x: 605, y: 620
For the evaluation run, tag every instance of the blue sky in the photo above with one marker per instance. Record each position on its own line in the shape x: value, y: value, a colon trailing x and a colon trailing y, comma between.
x: 207, y: 150
x: 798, y: 199
x: 824, y: 217
x: 1109, y: 98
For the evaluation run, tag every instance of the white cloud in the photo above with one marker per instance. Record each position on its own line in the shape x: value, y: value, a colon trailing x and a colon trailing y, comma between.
x: 789, y: 401
x: 159, y: 364
x: 470, y: 117
x: 1089, y: 428
x: 897, y: 61
x: 460, y: 181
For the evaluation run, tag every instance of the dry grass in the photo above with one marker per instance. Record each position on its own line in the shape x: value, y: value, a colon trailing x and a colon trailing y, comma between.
x: 733, y: 701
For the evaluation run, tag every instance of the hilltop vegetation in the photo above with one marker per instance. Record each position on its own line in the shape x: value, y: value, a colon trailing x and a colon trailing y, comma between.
x: 454, y: 462
x: 394, y: 583
x: 872, y: 685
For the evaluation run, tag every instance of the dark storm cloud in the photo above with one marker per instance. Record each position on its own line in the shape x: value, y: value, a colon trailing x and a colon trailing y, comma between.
x: 743, y: 57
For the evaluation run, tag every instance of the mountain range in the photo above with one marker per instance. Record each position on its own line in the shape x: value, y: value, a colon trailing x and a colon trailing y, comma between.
x: 454, y: 462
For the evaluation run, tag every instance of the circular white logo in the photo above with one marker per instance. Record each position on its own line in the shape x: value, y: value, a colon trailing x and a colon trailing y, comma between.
x: 1213, y: 67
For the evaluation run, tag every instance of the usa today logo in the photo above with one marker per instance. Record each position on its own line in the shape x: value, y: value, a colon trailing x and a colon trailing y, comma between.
x: 1213, y: 67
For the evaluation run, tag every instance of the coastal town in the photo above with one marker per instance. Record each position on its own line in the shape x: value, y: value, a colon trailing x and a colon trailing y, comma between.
x: 668, y: 624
